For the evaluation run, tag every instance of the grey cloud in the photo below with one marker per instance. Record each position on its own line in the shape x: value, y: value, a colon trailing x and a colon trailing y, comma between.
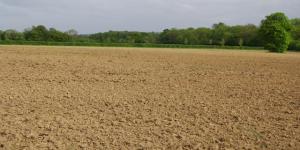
x: 89, y: 16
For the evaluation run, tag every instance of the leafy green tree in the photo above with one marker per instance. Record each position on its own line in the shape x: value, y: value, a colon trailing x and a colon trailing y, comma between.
x: 295, y: 28
x: 203, y: 36
x: 220, y: 33
x: 275, y: 30
x: 124, y: 37
x: 248, y: 34
x: 295, y: 43
x: 12, y: 34
x: 170, y: 36
x: 37, y: 33
x: 58, y: 36
x: 190, y: 36
x: 151, y: 37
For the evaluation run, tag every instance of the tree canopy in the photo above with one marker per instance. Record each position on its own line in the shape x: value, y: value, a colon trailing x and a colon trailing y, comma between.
x: 275, y: 33
x: 41, y: 33
x: 275, y: 30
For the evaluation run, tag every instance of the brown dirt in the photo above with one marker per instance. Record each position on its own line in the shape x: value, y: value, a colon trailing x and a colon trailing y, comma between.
x: 130, y: 98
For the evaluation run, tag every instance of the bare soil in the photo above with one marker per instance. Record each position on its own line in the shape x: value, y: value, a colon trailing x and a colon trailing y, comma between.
x: 132, y: 98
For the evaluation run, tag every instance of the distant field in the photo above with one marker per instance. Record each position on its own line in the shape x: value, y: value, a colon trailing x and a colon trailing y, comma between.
x: 131, y: 98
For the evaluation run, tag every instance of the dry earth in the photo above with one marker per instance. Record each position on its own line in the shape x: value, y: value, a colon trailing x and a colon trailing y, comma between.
x: 131, y: 98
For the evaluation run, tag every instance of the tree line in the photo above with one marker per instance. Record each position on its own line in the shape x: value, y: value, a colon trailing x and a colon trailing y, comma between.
x: 219, y: 34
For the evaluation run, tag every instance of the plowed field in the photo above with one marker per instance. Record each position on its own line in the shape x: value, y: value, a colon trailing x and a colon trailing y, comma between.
x: 133, y: 98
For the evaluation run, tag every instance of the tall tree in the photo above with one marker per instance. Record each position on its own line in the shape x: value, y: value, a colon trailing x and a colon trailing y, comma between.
x: 275, y: 30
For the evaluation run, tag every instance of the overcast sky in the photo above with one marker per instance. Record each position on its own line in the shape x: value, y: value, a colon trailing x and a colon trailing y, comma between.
x: 87, y: 16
